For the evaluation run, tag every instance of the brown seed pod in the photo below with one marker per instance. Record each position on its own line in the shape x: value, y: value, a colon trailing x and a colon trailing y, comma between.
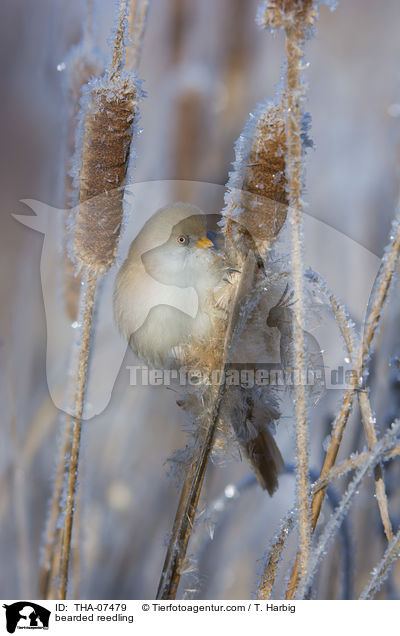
x: 257, y: 198
x: 300, y: 15
x: 264, y: 196
x: 107, y: 133
x: 81, y: 65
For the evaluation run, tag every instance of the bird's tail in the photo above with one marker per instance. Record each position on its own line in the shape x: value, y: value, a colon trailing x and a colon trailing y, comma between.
x: 261, y: 450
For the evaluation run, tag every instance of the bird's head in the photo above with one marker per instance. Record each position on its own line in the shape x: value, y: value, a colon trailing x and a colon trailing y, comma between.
x: 188, y: 257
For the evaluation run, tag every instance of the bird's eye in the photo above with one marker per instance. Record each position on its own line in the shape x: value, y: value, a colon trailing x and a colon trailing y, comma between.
x: 182, y: 239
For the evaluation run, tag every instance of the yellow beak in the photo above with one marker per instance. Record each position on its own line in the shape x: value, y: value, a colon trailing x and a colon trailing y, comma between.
x: 204, y: 242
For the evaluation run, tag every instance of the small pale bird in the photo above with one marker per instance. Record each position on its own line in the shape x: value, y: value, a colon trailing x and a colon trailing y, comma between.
x: 167, y: 295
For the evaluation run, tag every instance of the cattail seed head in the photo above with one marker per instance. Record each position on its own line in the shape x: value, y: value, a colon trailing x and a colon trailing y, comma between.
x: 81, y: 64
x: 107, y: 122
x: 257, y: 189
x: 300, y: 15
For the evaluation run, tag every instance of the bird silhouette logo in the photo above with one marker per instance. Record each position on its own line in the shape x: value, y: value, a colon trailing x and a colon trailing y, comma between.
x: 166, y: 289
x: 26, y: 615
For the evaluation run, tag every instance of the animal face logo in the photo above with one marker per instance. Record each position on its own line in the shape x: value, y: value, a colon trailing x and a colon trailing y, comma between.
x: 322, y: 246
x: 25, y: 614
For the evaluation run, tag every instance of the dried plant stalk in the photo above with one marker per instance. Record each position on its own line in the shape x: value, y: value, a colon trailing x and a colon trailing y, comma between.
x: 106, y: 133
x: 296, y: 18
x: 76, y: 422
x: 300, y: 15
x: 137, y: 19
x: 378, y: 452
x: 81, y: 65
x: 268, y: 577
x: 379, y: 573
x: 347, y: 465
x: 379, y: 295
x: 367, y: 416
x: 52, y: 536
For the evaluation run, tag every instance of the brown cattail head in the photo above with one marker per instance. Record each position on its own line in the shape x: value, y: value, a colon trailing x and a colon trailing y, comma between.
x: 81, y: 64
x: 300, y: 15
x: 257, y: 189
x: 107, y: 122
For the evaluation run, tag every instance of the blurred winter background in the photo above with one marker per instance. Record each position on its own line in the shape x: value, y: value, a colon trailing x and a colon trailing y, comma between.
x: 205, y: 66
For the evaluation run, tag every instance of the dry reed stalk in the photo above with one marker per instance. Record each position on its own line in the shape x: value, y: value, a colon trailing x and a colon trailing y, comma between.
x: 380, y: 572
x: 70, y: 494
x: 268, y: 576
x: 40, y: 426
x: 52, y: 538
x: 379, y: 295
x: 137, y: 19
x: 296, y: 17
x: 103, y: 159
x: 264, y: 144
x: 367, y: 416
x: 347, y: 465
x: 382, y: 446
